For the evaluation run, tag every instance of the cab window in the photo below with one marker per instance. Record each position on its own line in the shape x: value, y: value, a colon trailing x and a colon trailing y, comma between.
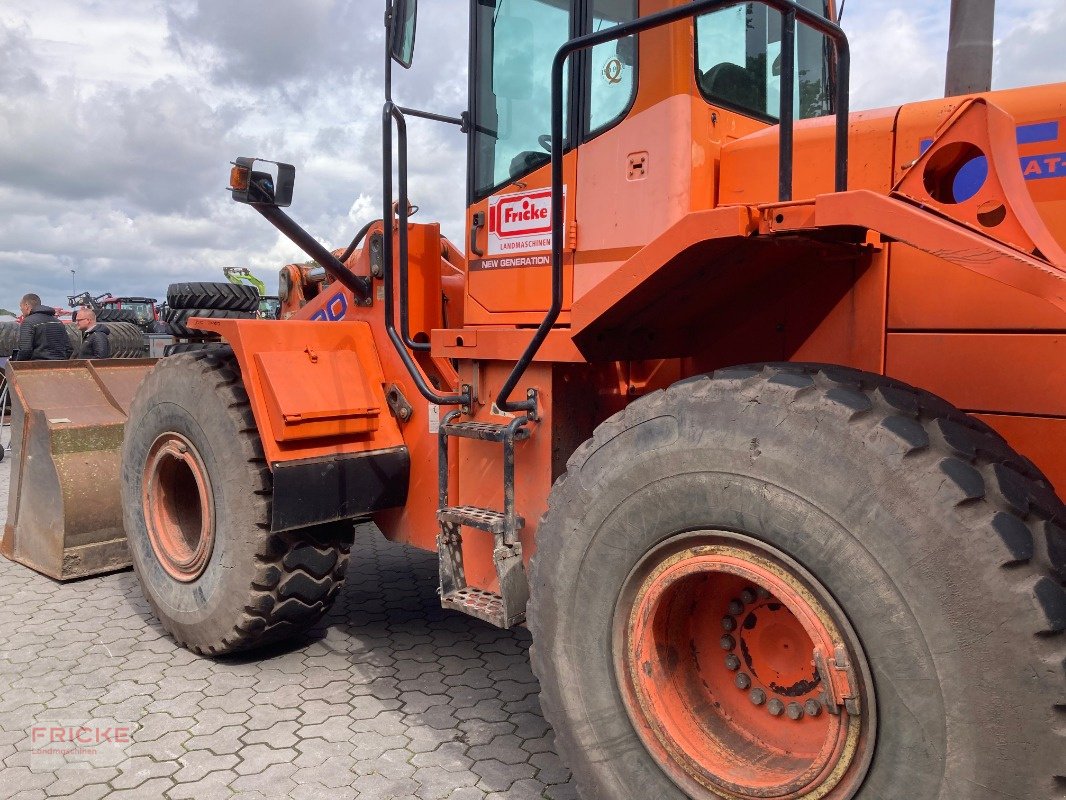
x: 515, y: 42
x: 738, y: 61
x: 612, y: 68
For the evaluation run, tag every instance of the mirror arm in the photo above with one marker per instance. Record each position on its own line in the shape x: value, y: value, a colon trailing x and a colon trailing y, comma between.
x: 462, y: 121
x: 356, y: 284
x: 388, y: 50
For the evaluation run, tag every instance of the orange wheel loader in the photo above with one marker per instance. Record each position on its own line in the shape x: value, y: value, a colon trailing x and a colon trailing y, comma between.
x: 750, y: 407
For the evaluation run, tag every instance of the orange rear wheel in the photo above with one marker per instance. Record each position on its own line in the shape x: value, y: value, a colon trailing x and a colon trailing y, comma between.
x: 740, y: 673
x: 810, y: 520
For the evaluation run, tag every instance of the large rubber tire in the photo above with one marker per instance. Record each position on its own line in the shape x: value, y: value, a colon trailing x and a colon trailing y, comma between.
x: 118, y: 315
x: 944, y: 548
x: 126, y: 340
x: 256, y: 587
x: 178, y: 348
x: 9, y: 338
x: 177, y: 317
x: 74, y: 337
x: 218, y: 295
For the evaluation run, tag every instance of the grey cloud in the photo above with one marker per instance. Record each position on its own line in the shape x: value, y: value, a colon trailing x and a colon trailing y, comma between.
x: 277, y: 43
x: 154, y: 148
x: 124, y: 256
x: 16, y: 57
x: 1030, y: 50
x: 320, y: 46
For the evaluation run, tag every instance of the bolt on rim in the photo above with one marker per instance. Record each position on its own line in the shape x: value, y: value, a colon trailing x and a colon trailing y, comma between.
x: 741, y: 674
x: 178, y: 507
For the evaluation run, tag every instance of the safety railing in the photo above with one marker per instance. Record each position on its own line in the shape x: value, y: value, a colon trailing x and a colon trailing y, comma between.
x: 401, y: 340
x: 790, y: 13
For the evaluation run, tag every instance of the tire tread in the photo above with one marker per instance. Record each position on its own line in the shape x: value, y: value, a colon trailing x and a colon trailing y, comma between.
x: 987, y: 478
x: 212, y: 295
x: 280, y: 601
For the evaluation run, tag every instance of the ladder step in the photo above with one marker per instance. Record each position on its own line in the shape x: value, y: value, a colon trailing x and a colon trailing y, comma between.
x: 486, y: 431
x: 487, y: 606
x: 484, y: 519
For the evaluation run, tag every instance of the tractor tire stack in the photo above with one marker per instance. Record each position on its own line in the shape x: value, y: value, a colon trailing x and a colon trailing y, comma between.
x: 127, y: 340
x: 205, y: 299
x: 110, y: 315
x: 75, y: 338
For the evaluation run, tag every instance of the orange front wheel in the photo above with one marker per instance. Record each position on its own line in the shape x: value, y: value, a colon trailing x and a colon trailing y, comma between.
x: 196, y: 502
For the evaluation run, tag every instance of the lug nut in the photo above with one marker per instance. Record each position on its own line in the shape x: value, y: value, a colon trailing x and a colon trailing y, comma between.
x: 727, y: 642
x: 732, y: 663
x: 742, y: 680
x: 794, y: 711
x: 747, y: 597
x: 757, y: 696
x: 729, y: 624
x: 762, y: 594
x: 736, y: 607
x: 813, y: 708
x: 775, y: 707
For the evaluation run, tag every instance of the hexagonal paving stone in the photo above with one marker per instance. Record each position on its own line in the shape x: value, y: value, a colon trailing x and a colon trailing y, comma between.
x: 391, y: 697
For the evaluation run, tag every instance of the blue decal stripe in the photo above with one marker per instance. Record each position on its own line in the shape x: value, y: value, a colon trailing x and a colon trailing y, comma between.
x: 1027, y: 134
x: 1038, y: 132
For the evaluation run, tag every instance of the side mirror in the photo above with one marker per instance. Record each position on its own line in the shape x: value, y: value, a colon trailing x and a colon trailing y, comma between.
x: 261, y: 182
x: 402, y: 32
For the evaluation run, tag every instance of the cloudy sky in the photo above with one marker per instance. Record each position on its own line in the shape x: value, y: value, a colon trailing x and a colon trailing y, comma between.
x: 118, y: 119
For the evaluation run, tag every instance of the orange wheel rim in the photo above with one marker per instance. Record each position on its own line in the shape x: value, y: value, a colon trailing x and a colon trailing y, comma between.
x: 178, y: 507
x: 741, y: 674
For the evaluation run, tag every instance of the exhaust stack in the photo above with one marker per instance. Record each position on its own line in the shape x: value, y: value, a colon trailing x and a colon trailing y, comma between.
x: 970, y: 47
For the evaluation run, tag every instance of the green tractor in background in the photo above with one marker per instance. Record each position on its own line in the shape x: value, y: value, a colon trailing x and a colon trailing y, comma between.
x: 269, y: 305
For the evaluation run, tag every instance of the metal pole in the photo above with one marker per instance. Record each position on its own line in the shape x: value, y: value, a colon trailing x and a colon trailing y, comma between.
x: 969, y: 67
x: 787, y: 111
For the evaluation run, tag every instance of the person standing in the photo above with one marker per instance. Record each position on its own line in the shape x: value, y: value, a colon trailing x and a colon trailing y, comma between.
x: 42, y: 336
x: 95, y: 335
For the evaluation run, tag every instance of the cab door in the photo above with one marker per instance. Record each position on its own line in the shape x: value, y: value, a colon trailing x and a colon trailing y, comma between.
x: 509, y: 190
x: 508, y: 218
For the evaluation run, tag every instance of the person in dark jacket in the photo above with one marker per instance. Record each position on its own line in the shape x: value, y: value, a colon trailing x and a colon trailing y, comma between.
x: 95, y: 343
x: 42, y: 336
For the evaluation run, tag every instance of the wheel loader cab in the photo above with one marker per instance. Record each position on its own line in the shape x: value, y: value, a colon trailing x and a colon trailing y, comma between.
x: 644, y: 124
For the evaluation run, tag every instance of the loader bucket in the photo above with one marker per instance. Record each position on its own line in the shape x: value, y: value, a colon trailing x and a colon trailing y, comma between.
x: 64, y: 511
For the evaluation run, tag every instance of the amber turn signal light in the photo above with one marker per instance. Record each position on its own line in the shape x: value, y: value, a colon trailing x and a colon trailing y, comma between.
x: 238, y: 177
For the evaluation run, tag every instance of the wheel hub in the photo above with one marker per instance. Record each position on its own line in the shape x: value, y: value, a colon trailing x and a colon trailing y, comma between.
x: 178, y: 507
x: 772, y: 656
x: 740, y: 673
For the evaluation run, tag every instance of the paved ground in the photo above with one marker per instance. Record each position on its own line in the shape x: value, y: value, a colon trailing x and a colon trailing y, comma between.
x: 390, y: 698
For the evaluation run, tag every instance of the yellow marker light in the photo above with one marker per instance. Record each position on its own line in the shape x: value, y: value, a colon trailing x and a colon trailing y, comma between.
x: 238, y: 178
